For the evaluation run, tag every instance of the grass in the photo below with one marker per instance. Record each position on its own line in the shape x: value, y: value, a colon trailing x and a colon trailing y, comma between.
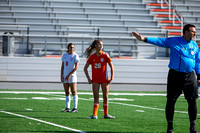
x: 134, y: 113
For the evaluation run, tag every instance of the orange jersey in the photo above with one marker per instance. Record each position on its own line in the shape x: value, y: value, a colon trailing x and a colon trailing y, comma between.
x: 99, y: 67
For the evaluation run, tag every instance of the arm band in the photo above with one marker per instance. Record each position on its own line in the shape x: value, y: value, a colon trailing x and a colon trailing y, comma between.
x: 198, y: 76
x: 145, y: 39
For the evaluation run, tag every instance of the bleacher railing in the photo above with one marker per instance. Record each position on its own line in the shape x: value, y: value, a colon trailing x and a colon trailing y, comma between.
x: 95, y: 30
x: 73, y: 36
x: 173, y: 12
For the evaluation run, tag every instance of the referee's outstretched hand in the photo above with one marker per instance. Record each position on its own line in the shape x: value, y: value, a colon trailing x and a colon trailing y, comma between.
x: 138, y: 36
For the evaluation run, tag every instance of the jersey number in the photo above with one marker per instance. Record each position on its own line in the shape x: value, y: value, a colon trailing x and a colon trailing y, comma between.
x: 66, y: 63
x: 97, y: 65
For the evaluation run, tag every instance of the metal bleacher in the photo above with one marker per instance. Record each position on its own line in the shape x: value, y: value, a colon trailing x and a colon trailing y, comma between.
x: 48, y: 26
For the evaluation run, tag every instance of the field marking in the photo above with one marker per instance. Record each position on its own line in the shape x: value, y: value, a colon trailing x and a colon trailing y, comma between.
x: 140, y: 111
x: 49, y: 123
x: 84, y: 93
x: 139, y: 106
x: 90, y: 93
x: 15, y: 98
x: 183, y: 112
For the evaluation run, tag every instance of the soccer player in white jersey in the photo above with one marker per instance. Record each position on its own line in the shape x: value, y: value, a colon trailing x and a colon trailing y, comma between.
x: 70, y: 61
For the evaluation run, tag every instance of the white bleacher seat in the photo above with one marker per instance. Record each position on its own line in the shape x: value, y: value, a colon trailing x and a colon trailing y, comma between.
x: 116, y: 18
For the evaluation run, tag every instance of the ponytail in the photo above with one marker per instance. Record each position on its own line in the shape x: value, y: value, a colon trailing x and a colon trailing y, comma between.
x: 91, y: 48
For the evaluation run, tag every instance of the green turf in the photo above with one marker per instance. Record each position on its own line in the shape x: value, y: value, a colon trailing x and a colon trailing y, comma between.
x: 131, y: 116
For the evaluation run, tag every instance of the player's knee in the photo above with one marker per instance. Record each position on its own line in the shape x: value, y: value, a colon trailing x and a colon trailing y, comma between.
x: 67, y: 93
x: 171, y: 101
x: 74, y: 93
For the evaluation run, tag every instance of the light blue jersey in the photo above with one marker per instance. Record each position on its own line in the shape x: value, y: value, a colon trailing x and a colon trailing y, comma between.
x: 184, y: 55
x: 69, y: 64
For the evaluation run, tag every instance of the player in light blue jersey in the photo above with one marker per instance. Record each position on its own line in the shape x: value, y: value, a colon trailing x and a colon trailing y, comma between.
x: 184, y: 73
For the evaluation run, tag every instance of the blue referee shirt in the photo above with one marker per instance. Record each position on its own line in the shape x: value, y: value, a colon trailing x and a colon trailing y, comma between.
x: 184, y: 55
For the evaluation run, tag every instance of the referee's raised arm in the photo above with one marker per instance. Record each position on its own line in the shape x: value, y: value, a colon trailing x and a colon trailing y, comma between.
x: 139, y: 36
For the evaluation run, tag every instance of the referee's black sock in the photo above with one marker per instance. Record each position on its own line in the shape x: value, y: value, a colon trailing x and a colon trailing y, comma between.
x: 170, y: 125
x: 192, y: 110
x: 192, y: 128
x: 169, y: 112
x: 192, y: 124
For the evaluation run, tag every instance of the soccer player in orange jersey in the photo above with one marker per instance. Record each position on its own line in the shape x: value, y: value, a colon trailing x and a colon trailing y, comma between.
x: 99, y: 60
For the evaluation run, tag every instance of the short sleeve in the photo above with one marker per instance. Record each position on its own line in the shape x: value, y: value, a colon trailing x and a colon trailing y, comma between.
x: 77, y: 59
x: 62, y: 59
x: 108, y: 59
x: 89, y: 60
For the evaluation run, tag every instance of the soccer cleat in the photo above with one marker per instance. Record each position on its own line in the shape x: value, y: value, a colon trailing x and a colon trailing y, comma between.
x: 170, y: 131
x: 74, y: 110
x: 109, y: 117
x: 66, y: 110
x: 92, y: 117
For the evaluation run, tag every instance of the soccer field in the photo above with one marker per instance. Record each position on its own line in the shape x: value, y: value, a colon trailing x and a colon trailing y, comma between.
x: 136, y: 112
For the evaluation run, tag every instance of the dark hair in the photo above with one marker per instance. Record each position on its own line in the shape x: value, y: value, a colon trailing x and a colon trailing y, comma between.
x: 69, y: 46
x: 90, y: 49
x: 187, y: 27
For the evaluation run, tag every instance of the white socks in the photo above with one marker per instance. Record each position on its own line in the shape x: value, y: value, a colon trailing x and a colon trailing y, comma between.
x: 75, y: 101
x: 68, y: 99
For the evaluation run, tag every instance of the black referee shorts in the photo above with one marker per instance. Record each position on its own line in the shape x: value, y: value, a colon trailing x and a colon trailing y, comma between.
x: 179, y: 82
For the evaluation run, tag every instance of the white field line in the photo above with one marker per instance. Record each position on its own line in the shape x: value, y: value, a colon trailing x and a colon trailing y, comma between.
x: 49, y: 123
x: 139, y: 106
x: 132, y: 105
x: 90, y: 93
x: 84, y: 93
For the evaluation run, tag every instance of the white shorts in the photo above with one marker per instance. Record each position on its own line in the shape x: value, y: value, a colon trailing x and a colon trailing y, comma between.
x: 72, y: 79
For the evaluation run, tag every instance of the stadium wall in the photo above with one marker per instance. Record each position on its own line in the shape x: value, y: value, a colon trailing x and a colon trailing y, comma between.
x: 41, y: 69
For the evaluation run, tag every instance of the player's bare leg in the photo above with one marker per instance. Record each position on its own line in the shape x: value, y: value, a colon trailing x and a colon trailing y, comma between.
x: 105, y: 90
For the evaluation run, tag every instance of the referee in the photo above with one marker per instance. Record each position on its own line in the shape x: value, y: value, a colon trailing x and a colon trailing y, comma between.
x: 184, y: 72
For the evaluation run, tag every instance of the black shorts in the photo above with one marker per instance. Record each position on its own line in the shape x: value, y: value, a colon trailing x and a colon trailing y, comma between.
x: 179, y: 82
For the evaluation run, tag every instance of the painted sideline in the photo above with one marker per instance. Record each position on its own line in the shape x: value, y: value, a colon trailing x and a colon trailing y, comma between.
x: 49, y: 123
x: 84, y: 93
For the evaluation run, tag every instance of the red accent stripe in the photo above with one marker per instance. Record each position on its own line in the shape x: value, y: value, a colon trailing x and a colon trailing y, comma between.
x: 161, y: 10
x: 172, y: 27
x: 174, y: 33
x: 52, y: 56
x: 169, y: 21
x: 156, y: 4
x: 166, y: 15
x: 123, y: 58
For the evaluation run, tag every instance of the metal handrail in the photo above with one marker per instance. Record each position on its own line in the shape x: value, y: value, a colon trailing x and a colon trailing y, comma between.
x: 175, y: 12
x: 75, y: 36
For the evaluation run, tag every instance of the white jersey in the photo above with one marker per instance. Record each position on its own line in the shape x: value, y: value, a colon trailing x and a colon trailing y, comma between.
x: 69, y: 64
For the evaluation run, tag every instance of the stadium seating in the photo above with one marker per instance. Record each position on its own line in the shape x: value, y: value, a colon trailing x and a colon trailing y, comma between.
x: 53, y: 24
